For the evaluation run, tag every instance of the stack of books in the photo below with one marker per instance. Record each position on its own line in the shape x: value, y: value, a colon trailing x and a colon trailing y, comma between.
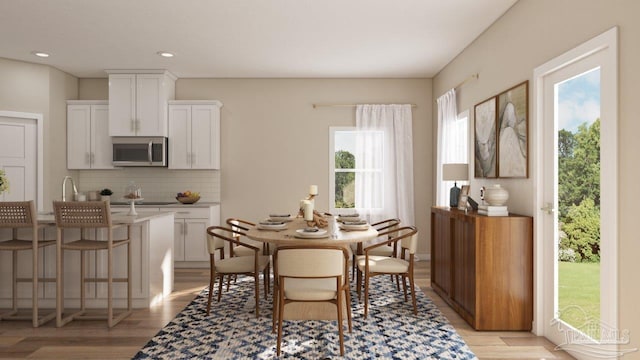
x: 490, y: 210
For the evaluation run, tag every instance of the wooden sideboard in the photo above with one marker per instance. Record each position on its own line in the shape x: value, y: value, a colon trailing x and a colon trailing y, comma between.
x: 482, y: 266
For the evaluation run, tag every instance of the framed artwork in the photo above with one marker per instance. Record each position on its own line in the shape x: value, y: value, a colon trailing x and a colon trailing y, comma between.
x: 463, y: 197
x: 513, y: 130
x: 485, y: 139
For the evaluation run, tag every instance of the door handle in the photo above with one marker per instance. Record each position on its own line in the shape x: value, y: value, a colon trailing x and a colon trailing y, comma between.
x: 548, y: 208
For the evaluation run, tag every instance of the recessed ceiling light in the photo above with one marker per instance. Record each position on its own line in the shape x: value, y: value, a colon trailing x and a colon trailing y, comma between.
x: 165, y: 54
x: 41, y: 54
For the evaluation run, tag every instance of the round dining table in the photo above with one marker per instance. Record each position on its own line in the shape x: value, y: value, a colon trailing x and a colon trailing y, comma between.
x: 287, y: 236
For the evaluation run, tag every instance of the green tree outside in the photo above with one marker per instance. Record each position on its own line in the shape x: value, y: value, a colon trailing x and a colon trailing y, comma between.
x: 344, y: 160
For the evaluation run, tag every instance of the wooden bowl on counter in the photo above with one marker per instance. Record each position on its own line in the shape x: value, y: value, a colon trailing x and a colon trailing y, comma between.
x: 188, y: 199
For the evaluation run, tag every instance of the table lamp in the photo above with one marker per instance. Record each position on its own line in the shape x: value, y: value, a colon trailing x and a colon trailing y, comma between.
x: 455, y: 172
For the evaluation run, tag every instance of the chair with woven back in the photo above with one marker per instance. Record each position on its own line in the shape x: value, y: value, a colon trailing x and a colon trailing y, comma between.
x: 15, y: 215
x: 371, y: 265
x: 218, y: 236
x: 311, y: 274
x: 84, y: 216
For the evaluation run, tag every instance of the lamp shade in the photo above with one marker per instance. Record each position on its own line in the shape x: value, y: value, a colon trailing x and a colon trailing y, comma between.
x: 455, y: 172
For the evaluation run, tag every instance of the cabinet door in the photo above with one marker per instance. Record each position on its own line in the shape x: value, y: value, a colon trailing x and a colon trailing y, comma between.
x: 441, y: 252
x: 179, y: 136
x: 150, y: 105
x: 464, y: 258
x: 205, y: 137
x: 178, y: 240
x: 101, y: 149
x: 122, y: 105
x: 78, y: 136
x: 195, y: 240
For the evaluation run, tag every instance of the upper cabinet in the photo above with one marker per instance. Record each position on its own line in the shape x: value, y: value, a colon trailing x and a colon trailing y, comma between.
x: 138, y: 102
x: 88, y: 141
x: 194, y: 134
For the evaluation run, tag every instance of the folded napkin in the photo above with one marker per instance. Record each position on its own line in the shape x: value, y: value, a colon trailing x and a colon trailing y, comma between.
x: 349, y: 215
x: 359, y: 222
x: 271, y: 222
x: 279, y: 215
x: 311, y: 229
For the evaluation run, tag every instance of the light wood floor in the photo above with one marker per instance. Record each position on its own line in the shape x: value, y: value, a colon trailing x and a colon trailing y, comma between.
x: 93, y: 340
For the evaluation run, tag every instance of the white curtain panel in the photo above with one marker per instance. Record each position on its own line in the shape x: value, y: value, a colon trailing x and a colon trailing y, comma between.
x: 447, y: 134
x: 384, y: 163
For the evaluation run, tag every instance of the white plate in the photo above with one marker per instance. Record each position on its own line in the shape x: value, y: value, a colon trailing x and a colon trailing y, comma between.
x: 321, y: 233
x: 272, y: 227
x: 354, y: 227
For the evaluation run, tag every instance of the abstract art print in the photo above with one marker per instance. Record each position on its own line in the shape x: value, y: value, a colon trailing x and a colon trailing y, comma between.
x: 485, y: 139
x: 513, y: 131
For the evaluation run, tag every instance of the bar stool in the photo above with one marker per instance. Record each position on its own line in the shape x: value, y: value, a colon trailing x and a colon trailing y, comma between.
x: 89, y: 215
x: 15, y: 215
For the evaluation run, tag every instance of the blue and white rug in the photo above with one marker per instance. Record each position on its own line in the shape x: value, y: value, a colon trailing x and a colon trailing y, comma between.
x: 232, y: 331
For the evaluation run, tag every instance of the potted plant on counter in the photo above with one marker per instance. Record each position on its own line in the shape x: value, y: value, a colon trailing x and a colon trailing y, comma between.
x: 105, y: 194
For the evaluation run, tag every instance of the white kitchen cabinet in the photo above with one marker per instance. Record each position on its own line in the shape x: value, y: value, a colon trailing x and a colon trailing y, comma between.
x: 190, y: 236
x: 138, y: 102
x: 194, y: 134
x: 88, y: 141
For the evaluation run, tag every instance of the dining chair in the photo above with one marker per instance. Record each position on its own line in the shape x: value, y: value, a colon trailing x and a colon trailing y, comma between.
x: 242, y: 225
x: 389, y: 250
x: 311, y: 274
x: 84, y: 216
x: 15, y: 215
x: 218, y: 236
x: 371, y: 265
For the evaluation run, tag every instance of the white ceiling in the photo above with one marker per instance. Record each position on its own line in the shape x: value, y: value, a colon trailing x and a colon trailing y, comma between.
x: 246, y: 38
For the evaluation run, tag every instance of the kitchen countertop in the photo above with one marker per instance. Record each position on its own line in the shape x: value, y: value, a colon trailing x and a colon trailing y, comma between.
x: 142, y: 205
x: 117, y: 217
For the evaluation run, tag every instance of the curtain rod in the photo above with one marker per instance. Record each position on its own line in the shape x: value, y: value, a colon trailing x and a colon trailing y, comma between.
x: 471, y: 77
x: 347, y: 105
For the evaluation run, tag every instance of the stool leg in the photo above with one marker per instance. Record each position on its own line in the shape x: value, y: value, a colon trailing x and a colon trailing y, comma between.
x: 109, y: 287
x: 129, y: 286
x: 34, y: 281
x: 59, y: 279
x: 82, y: 282
x: 14, y: 278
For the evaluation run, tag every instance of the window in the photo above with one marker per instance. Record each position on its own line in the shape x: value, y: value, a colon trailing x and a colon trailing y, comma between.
x: 455, y: 149
x: 343, y: 149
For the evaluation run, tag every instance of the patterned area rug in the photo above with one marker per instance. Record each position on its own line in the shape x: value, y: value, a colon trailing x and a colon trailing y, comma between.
x: 232, y: 331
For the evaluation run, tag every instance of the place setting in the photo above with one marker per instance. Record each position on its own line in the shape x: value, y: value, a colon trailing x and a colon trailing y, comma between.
x: 272, y: 225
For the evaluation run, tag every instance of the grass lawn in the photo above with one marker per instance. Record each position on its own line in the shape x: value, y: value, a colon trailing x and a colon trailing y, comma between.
x: 579, y: 292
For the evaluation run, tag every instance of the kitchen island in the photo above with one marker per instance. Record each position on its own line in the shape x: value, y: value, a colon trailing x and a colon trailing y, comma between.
x: 151, y: 256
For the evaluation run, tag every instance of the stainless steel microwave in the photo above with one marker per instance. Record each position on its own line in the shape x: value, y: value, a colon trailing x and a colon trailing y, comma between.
x: 140, y: 151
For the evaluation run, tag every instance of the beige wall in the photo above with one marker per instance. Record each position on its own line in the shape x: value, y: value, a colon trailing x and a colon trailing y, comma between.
x: 528, y: 35
x: 275, y: 144
x: 34, y: 88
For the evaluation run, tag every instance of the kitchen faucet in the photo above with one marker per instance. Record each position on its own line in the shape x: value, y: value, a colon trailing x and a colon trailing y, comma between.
x: 64, y: 188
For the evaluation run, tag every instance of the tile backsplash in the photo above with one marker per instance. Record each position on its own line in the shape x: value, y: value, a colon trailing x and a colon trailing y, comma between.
x: 157, y: 184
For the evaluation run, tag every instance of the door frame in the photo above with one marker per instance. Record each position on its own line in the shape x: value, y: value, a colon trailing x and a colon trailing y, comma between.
x: 609, y: 110
x: 38, y: 118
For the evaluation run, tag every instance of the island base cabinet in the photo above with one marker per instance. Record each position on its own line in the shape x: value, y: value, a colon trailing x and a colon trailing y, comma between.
x: 151, y: 263
x: 483, y: 267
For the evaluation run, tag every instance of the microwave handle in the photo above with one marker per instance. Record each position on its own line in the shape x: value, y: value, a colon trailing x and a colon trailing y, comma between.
x: 150, y: 151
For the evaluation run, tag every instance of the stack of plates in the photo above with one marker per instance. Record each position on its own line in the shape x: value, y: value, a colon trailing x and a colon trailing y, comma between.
x: 272, y: 225
x: 349, y: 217
x: 308, y: 234
x: 354, y: 227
